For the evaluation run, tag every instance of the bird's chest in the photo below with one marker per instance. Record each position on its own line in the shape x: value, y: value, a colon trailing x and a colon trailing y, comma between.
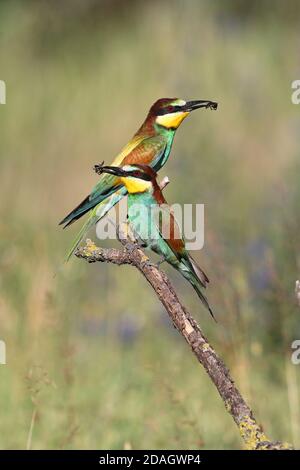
x: 141, y: 218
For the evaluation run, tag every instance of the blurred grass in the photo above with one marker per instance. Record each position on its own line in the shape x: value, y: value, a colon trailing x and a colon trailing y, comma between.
x: 103, y: 369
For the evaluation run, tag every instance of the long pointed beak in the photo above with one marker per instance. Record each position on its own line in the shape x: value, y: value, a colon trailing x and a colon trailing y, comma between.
x: 192, y: 105
x: 113, y: 170
x: 116, y: 171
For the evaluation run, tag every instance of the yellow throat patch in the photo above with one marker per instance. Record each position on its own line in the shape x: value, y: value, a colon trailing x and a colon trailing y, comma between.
x: 171, y: 119
x: 135, y: 185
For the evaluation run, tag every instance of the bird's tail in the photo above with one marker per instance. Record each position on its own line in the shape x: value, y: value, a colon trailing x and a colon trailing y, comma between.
x: 79, y: 237
x: 200, y: 274
x: 197, y: 278
x: 197, y: 286
x: 96, y: 214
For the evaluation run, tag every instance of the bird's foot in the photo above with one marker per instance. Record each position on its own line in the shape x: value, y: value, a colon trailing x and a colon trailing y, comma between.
x: 140, y: 243
x: 137, y: 239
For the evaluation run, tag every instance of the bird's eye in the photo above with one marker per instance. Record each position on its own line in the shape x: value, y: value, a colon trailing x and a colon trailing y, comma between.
x: 169, y: 109
x: 137, y: 174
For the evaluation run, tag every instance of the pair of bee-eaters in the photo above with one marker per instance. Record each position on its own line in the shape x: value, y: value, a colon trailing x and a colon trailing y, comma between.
x: 133, y: 172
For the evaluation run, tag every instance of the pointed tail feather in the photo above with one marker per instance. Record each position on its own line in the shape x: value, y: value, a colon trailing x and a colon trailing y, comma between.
x: 96, y: 214
x: 202, y: 297
x: 71, y: 216
x: 195, y: 268
x: 198, y: 271
x: 89, y: 203
x: 85, y: 206
x: 201, y: 280
x: 196, y: 277
x: 79, y: 237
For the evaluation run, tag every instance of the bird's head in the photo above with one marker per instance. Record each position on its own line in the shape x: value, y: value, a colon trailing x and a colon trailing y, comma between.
x: 170, y: 112
x: 136, y: 178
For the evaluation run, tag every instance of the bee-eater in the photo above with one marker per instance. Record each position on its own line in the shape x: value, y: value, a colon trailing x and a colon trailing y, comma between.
x: 151, y: 145
x: 153, y: 224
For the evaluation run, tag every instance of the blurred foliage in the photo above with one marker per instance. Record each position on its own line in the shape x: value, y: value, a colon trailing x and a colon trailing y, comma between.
x: 93, y: 361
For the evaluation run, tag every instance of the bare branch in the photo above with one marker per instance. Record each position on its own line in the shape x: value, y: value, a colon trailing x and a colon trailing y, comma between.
x: 131, y: 253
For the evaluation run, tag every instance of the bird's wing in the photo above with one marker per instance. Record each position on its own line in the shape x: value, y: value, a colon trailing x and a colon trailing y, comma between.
x: 148, y: 152
x: 132, y: 144
x: 144, y: 150
x: 97, y: 213
x: 107, y: 185
x: 169, y: 230
x: 139, y: 150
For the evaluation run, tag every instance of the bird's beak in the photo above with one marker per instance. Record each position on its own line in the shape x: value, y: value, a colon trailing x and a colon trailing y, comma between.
x: 192, y: 105
x: 113, y: 170
x: 116, y: 171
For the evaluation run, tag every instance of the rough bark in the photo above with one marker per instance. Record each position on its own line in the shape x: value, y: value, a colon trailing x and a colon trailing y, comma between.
x: 250, y: 431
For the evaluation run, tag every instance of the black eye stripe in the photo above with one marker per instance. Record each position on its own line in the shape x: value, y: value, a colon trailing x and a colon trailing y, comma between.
x: 138, y: 174
x: 174, y: 109
x: 142, y: 176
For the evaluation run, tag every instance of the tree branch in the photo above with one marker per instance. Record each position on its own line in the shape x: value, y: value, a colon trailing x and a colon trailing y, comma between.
x: 251, y: 433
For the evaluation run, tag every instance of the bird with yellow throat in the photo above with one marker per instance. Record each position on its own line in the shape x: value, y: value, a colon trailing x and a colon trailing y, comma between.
x: 150, y: 145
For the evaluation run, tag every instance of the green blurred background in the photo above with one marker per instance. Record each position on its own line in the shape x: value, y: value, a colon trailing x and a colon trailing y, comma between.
x: 92, y: 358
